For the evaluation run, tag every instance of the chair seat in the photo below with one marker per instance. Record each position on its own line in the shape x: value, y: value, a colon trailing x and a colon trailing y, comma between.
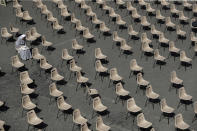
x: 123, y: 92
x: 186, y: 97
x: 58, y: 27
x: 76, y: 68
x: 170, y: 24
x: 27, y: 18
x: 116, y: 78
x: 56, y: 93
x: 14, y: 30
x: 35, y: 121
x: 1, y: 103
x: 64, y: 106
x: 7, y: 35
x: 88, y: 36
x: 27, y: 81
x: 68, y: 57
x: 80, y: 120
x: 182, y: 125
x: 103, y: 127
x: 148, y: 49
x: 126, y: 47
x: 186, y: 59
x: 145, y: 124
x: 18, y: 64
x: 29, y: 106
x: 168, y: 109
x: 38, y: 56
x: 133, y: 33
x: 160, y: 58
x: 83, y: 80
x: 101, y: 69
x: 47, y: 43
x: 174, y: 49
x: 120, y: 22
x: 105, y: 29
x: 46, y: 66
x: 57, y: 77
x: 143, y: 83
x: 100, y: 108
x: 134, y: 108
x: 153, y: 95
x: 78, y: 47
x: 136, y: 68
x: 27, y: 91
x: 93, y: 92
x: 101, y: 56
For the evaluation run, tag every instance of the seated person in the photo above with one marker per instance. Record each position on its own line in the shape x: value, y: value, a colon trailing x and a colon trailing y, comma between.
x: 20, y: 41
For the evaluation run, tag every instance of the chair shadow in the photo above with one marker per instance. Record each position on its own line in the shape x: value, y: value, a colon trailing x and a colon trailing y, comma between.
x: 80, y: 52
x: 107, y: 34
x: 104, y: 61
x: 61, y: 32
x: 32, y: 85
x: 33, y: 95
x: 51, y: 48
x: 21, y: 69
x: 104, y: 74
x: 41, y: 126
x: 11, y: 39
x: 4, y: 108
x: 92, y: 40
x: 62, y: 82
x: 127, y: 52
x: 7, y: 127
x: 2, y: 74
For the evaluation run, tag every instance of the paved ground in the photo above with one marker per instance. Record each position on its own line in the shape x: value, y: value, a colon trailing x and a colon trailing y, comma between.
x: 159, y: 79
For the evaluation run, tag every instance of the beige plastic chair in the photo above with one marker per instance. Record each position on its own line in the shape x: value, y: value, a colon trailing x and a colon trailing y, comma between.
x: 173, y: 49
x: 76, y: 46
x: 45, y: 43
x: 130, y: 7
x: 19, y: 13
x: 34, y: 32
x: 99, y: 67
x: 44, y: 10
x: 91, y: 93
x: 144, y: 38
x: 175, y: 80
x: 132, y: 32
x: 16, y: 4
x: 54, y: 92
x: 78, y: 118
x: 84, y: 5
x: 162, y: 39
x: 154, y: 31
x: 184, y: 59
x: 195, y: 111
x: 180, y: 32
x: 144, y: 22
x: 29, y: 37
x: 112, y: 13
x: 66, y: 56
x: 95, y: 20
x: 141, y: 81
x: 27, y: 104
x: 145, y: 48
x: 33, y: 119
x: 142, y: 122
x: 151, y: 95
x: 159, y: 17
x: 24, y: 78
x: 87, y: 34
x: 116, y: 38
x: 187, y: 5
x: 44, y: 64
x: 179, y: 123
x: 55, y: 76
x: 105, y: 7
x: 103, y: 28
x: 169, y: 23
x: 60, y: 4
x: 99, y: 55
x: 26, y: 16
x: 173, y: 9
x: 100, y: 126
x: 119, y: 21
x: 134, y: 67
x: 149, y: 9
x: 64, y: 13
x: 124, y: 46
x: 89, y: 12
x: 50, y: 17
x: 182, y: 17
x: 158, y: 57
x: 194, y: 8
x: 79, y: 26
x: 114, y: 76
x: 81, y: 79
x: 62, y: 106
x: 135, y: 14
x: 121, y: 92
x: 193, y: 37
x: 57, y: 26
x: 36, y: 55
x: 16, y: 63
x: 98, y: 106
x: 25, y: 89
x: 5, y: 34
x: 74, y: 67
x: 14, y: 29
x: 165, y: 109
x: 183, y: 96
x: 1, y: 103
x: 132, y: 108
x: 74, y: 19
x: 120, y: 2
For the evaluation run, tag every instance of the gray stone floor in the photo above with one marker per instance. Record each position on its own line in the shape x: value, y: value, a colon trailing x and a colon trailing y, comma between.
x: 159, y: 79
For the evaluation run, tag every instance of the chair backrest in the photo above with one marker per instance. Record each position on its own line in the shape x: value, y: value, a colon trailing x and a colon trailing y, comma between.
x: 52, y: 87
x: 43, y: 61
x: 140, y: 118
x: 181, y: 14
x: 171, y: 45
x: 173, y: 75
x: 25, y: 99
x: 163, y: 104
x: 115, y: 34
x: 156, y: 52
x: 168, y: 20
x: 96, y: 102
x: 152, y: 28
x: 195, y: 107
x: 18, y: 11
x: 74, y: 43
x: 158, y: 13
x: 99, y: 121
x: 139, y: 77
x: 130, y: 28
x: 14, y: 59
x: 178, y: 118
x: 24, y: 75
x: 182, y: 92
x: 35, y: 51
x: 113, y: 72
x: 78, y: 74
x: 84, y: 127
x: 23, y: 86
x: 31, y: 115
x: 143, y: 19
x: 182, y: 54
x: 130, y: 102
x: 33, y: 30
x: 76, y: 114
x: 98, y: 64
x: 72, y: 63
x: 133, y: 63
x: 4, y: 31
x: 97, y: 51
x: 43, y: 8
x: 86, y: 31
x: 119, y: 87
x: 64, y: 52
x: 28, y: 34
x: 25, y: 14
x: 60, y: 100
x: 54, y: 72
x: 149, y: 89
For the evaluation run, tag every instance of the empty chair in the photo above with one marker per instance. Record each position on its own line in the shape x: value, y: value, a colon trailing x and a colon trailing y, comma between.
x: 165, y: 4
x: 56, y: 26
x: 116, y: 38
x: 120, y: 3
x: 89, y: 12
x: 100, y: 68
x: 76, y: 46
x: 193, y: 39
x: 120, y: 22
x: 98, y: 106
x: 155, y: 33
x: 146, y: 49
x: 104, y: 29
x: 14, y: 30
x: 19, y: 14
x: 96, y: 21
x: 142, y: 122
x: 160, y: 18
x: 66, y: 56
x: 187, y: 6
x: 195, y: 112
x: 194, y: 9
x: 135, y: 15
x: 74, y: 19
x: 183, y: 19
x: 99, y: 55
x: 180, y: 33
x: 141, y: 83
x: 55, y: 76
x: 134, y: 67
x: 79, y: 26
x: 91, y: 93
x: 84, y: 127
x: 78, y: 118
x: 65, y: 13
x: 61, y: 5
x: 27, y: 103
x: 105, y: 7
x: 74, y: 67
x: 81, y: 79
x: 16, y: 63
x: 184, y: 60
x: 2, y: 103
x: 169, y: 25
x: 16, y: 4
x: 132, y: 108
x: 174, y: 11
x: 87, y: 35
x: 24, y: 78
x: 25, y: 89
x: 164, y: 42
x: 44, y: 10
x: 121, y: 92
x: 144, y: 38
x: 175, y: 81
x: 54, y: 92
x: 179, y: 123
x: 166, y: 110
x: 33, y: 119
x: 132, y: 33
x: 26, y: 16
x: 173, y: 50
x: 36, y: 55
x: 150, y: 10
x: 45, y: 43
x: 130, y: 8
x: 124, y: 47
x: 29, y: 37
x: 160, y: 60
x: 144, y: 23
x: 34, y: 32
x: 112, y: 14
x: 84, y: 5
x: 5, y: 34
x: 62, y: 106
x: 100, y: 126
x: 151, y: 96
x: 195, y: 50
x: 50, y: 17
x: 184, y: 98
x: 114, y: 76
x: 44, y: 64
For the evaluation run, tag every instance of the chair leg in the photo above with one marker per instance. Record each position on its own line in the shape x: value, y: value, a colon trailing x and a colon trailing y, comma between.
x: 146, y: 102
x: 194, y: 118
x: 58, y: 113
x: 130, y: 74
x: 116, y: 99
x: 127, y: 115
x: 179, y: 104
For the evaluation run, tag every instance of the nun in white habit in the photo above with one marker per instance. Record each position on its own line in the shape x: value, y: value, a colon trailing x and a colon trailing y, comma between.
x: 22, y: 49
